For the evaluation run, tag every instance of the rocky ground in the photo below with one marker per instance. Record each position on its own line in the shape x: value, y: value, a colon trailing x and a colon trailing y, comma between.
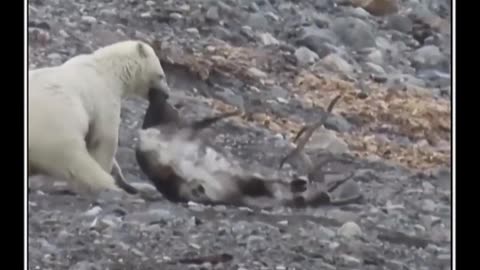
x: 283, y: 61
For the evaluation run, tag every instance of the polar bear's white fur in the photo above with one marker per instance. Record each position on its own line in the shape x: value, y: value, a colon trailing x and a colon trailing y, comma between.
x: 74, y: 111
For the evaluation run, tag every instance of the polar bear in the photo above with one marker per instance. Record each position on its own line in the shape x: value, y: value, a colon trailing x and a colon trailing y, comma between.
x: 74, y: 112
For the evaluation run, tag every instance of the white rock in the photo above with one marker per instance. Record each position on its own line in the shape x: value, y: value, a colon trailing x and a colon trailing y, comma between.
x: 305, y: 56
x: 93, y: 211
x: 192, y: 30
x: 374, y: 68
x: 176, y: 16
x: 349, y: 230
x: 336, y: 62
x: 327, y: 140
x: 376, y: 57
x: 350, y: 260
x: 146, y: 15
x: 255, y: 72
x: 89, y: 19
x: 429, y: 205
x: 267, y: 39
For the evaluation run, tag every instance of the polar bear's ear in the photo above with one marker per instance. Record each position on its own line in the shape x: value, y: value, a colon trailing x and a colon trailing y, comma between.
x: 142, y: 51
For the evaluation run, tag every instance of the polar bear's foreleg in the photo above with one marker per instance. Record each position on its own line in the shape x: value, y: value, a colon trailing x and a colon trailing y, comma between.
x: 103, y: 151
x: 85, y: 170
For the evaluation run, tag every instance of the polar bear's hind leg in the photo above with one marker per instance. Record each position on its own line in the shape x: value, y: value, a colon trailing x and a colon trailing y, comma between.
x: 75, y: 165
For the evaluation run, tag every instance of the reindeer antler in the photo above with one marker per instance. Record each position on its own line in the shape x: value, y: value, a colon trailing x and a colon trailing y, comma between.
x: 201, y: 124
x: 307, y: 131
x: 208, y: 121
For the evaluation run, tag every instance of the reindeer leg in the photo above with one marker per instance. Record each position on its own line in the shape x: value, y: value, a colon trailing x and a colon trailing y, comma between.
x: 308, y: 132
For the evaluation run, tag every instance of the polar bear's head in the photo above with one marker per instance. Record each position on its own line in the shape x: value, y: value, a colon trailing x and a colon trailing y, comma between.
x: 136, y: 64
x: 151, y: 76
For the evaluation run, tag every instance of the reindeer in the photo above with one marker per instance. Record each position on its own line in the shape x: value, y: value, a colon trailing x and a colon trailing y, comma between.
x: 184, y: 166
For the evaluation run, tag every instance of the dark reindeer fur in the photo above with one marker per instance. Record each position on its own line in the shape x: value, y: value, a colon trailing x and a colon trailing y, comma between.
x: 184, y: 166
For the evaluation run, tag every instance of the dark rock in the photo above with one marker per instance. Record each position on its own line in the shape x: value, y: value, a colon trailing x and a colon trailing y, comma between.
x: 400, y: 23
x: 259, y: 21
x: 213, y: 14
x: 318, y: 43
x: 338, y: 123
x: 430, y: 57
x: 354, y: 32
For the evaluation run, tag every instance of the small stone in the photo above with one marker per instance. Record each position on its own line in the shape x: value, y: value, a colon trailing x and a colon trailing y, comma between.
x: 419, y: 228
x: 54, y: 56
x: 349, y: 189
x: 175, y: 16
x: 146, y: 15
x: 267, y: 39
x: 325, y: 266
x: 83, y: 265
x: 93, y: 211
x: 195, y: 246
x: 350, y: 260
x: 374, y: 68
x: 110, y: 221
x: 361, y: 12
x: 283, y: 222
x: 150, y: 216
x: 258, y: 21
x: 354, y: 32
x: 429, y: 56
x: 395, y: 265
x: 278, y: 91
x: 63, y: 33
x: 305, y: 56
x: 272, y: 16
x: 282, y: 100
x: 47, y: 247
x: 427, y: 187
x: 253, y: 7
x: 400, y: 23
x: 247, y: 31
x: 376, y: 57
x: 255, y: 72
x: 196, y: 206
x: 349, y: 230
x: 326, y: 232
x: 192, y: 30
x: 89, y: 19
x: 429, y: 205
x: 338, y: 123
x: 213, y: 14
x: 254, y: 241
x: 318, y: 40
x: 386, y: 46
x: 184, y: 8
x: 337, y: 63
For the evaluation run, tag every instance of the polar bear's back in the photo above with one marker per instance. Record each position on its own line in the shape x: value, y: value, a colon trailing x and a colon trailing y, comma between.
x: 56, y: 115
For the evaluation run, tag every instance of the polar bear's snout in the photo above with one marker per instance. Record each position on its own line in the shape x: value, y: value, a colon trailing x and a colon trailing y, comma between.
x: 161, y: 87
